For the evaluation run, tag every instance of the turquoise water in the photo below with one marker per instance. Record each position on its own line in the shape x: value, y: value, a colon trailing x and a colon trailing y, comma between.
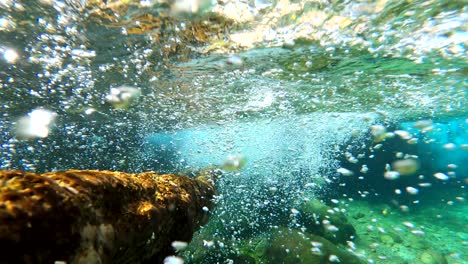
x: 319, y: 99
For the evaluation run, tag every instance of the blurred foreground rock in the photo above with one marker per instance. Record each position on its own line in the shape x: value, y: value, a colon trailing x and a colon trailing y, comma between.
x: 289, y: 246
x: 322, y: 220
x: 98, y: 216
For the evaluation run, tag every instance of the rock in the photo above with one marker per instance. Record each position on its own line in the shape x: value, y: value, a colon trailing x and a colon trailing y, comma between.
x: 386, y: 239
x: 322, y: 220
x: 358, y: 215
x: 390, y: 238
x: 395, y: 260
x: 242, y: 259
x: 98, y: 216
x: 432, y: 257
x: 288, y: 246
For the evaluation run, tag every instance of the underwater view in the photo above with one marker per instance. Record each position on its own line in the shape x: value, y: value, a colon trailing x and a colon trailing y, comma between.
x: 234, y: 131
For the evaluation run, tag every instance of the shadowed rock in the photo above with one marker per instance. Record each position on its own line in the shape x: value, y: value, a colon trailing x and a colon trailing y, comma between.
x: 322, y: 220
x: 98, y: 216
x: 290, y: 246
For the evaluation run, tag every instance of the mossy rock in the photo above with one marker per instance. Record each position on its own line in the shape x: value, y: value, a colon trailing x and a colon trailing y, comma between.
x: 289, y: 246
x: 432, y: 257
x: 386, y: 239
x: 395, y: 260
x: 322, y: 220
x: 243, y: 259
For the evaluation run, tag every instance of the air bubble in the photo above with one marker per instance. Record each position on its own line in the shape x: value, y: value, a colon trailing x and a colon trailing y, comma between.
x: 345, y: 172
x: 10, y: 55
x: 441, y: 176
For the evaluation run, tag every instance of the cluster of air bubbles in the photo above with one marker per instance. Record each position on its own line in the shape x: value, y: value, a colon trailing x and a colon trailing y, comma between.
x: 379, y: 132
x: 36, y: 124
x: 6, y: 24
x: 406, y: 169
x: 189, y: 6
x: 234, y: 162
x: 123, y: 96
x: 11, y: 4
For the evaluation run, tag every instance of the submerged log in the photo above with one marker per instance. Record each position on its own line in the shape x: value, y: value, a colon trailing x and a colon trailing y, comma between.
x: 79, y: 216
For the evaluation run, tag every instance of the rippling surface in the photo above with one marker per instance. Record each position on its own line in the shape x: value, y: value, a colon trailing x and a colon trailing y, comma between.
x: 295, y: 89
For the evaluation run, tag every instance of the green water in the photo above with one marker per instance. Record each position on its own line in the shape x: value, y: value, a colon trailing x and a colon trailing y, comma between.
x: 295, y: 88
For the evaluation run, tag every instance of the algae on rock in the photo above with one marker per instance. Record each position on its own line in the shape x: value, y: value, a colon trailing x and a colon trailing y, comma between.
x: 323, y: 220
x: 293, y: 246
x: 94, y: 216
